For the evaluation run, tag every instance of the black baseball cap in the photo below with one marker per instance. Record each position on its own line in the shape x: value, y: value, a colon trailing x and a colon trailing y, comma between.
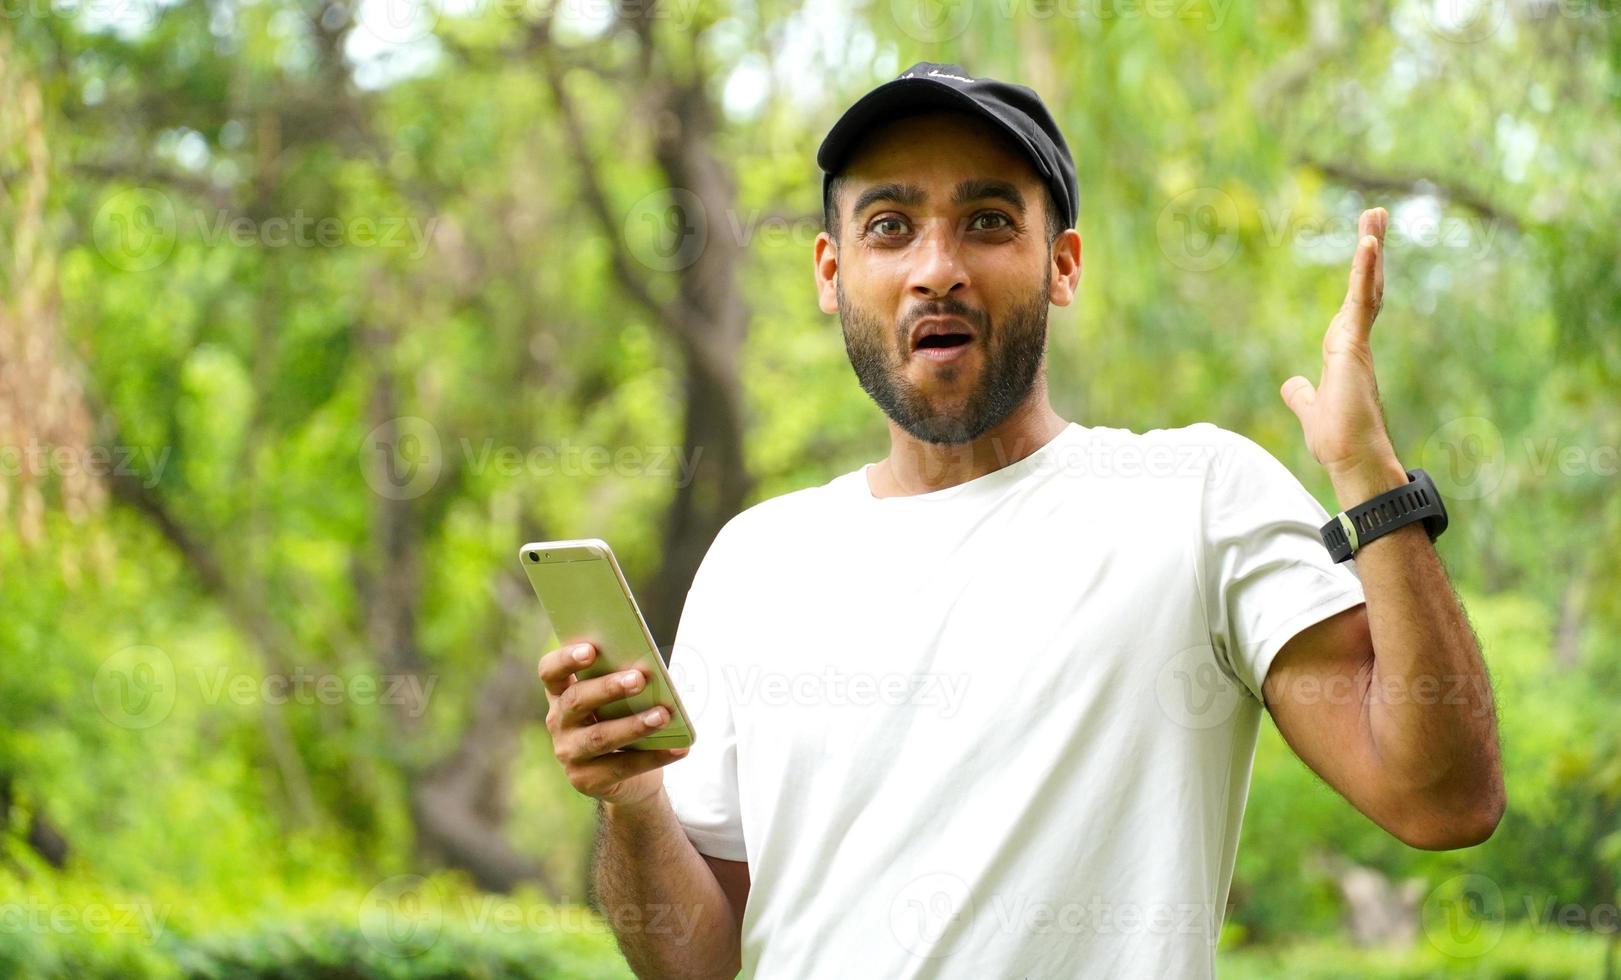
x: 1014, y: 109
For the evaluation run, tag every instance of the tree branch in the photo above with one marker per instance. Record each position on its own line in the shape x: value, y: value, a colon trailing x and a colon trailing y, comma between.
x: 596, y: 200
x: 248, y: 615
x: 1371, y: 181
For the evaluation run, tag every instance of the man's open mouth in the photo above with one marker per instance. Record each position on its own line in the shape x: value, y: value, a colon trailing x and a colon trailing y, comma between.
x: 942, y: 337
x: 943, y: 340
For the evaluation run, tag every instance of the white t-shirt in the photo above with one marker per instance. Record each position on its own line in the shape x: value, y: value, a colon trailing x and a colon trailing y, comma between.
x: 1003, y: 729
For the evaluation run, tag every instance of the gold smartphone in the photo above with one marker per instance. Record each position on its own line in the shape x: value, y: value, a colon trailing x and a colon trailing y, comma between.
x: 587, y: 600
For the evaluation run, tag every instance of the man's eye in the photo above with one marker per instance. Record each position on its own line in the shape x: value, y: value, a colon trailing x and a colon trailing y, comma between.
x: 888, y: 227
x: 990, y: 221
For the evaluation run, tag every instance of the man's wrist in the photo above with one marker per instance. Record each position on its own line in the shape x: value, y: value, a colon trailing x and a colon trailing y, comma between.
x: 639, y: 810
x: 1359, y: 484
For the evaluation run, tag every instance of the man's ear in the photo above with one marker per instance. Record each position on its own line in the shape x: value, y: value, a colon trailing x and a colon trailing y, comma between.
x: 827, y: 271
x: 1066, y: 260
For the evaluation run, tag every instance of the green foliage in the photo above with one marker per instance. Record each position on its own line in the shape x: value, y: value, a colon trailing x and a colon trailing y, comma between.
x: 1519, y: 955
x: 80, y: 932
x: 243, y: 376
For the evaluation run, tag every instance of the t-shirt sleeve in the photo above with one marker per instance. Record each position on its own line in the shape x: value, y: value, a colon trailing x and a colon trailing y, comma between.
x: 1265, y: 572
x: 702, y: 787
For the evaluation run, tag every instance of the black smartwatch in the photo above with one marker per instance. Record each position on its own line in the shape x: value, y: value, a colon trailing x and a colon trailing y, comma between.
x: 1351, y: 530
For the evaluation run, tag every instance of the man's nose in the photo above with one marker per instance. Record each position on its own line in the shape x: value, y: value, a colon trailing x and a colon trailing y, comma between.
x: 937, y: 266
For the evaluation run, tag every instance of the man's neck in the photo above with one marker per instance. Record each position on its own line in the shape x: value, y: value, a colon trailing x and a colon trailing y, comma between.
x: 914, y: 466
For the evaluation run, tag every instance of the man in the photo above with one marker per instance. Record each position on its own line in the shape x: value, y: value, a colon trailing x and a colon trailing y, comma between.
x: 987, y: 708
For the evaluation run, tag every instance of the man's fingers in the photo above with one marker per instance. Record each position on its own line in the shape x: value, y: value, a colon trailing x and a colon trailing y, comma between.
x: 557, y: 667
x: 1379, y: 267
x: 587, y: 696
x: 1366, y: 291
x: 586, y: 744
x: 1299, y: 395
x: 1373, y: 222
x: 1362, y: 295
x: 596, y: 776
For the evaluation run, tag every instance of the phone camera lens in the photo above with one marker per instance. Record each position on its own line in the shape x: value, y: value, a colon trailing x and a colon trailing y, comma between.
x: 534, y: 556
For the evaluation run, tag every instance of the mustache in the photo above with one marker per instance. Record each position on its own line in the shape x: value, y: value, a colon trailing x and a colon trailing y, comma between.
x: 943, y: 307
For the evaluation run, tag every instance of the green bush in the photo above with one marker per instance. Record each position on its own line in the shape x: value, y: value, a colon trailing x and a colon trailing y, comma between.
x: 328, y: 951
x: 405, y: 927
x: 309, y: 950
x: 1521, y: 954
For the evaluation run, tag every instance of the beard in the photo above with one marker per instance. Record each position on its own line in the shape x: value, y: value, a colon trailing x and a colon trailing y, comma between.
x: 1012, y: 352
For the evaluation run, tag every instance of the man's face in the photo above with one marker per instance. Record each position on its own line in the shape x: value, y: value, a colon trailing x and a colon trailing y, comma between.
x: 944, y: 274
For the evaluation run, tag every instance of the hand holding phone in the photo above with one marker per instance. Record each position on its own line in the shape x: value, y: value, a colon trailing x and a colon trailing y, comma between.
x: 589, y: 748
x: 600, y: 705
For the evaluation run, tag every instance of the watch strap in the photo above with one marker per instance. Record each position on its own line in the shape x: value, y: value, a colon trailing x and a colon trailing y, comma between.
x: 1349, y: 531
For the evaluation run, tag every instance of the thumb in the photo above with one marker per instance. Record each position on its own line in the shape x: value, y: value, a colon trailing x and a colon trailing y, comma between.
x: 1299, y: 395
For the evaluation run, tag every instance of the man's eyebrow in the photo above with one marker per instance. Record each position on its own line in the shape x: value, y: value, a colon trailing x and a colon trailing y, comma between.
x: 910, y: 195
x: 982, y: 188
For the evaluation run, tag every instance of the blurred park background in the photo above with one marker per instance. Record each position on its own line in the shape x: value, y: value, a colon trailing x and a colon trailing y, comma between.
x: 312, y: 312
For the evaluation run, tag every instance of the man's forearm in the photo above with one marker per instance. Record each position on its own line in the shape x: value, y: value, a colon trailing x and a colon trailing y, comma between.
x: 669, y: 914
x: 1429, y: 706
